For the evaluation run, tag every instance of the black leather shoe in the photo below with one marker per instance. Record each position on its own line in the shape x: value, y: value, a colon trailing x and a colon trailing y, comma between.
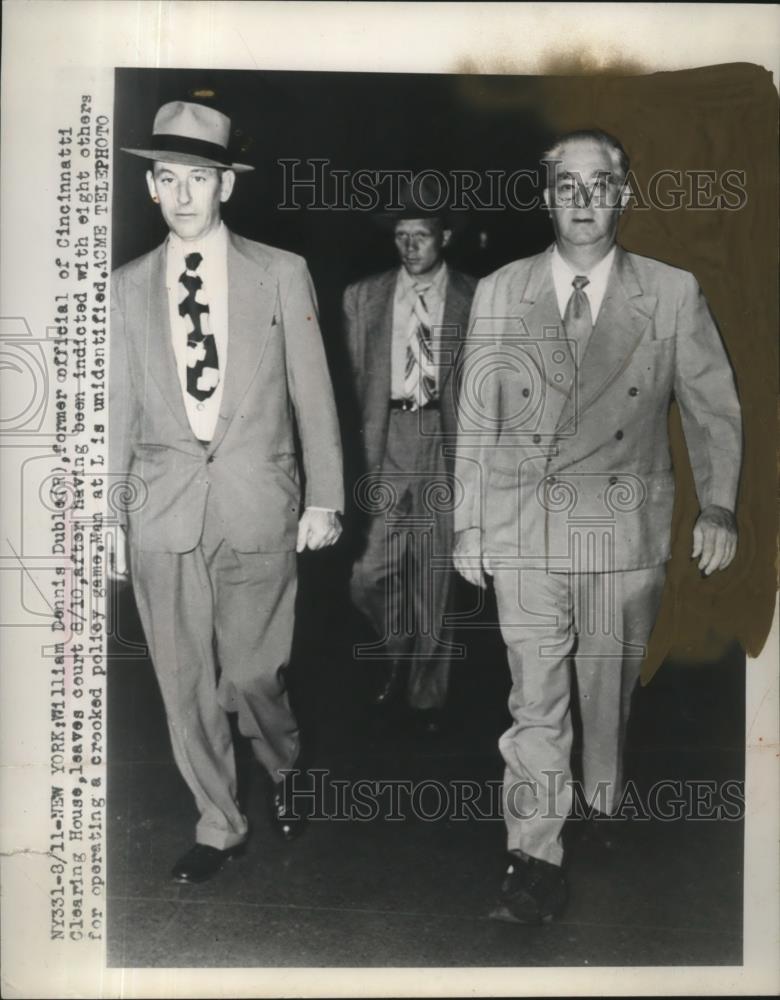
x: 388, y: 684
x: 287, y: 816
x: 201, y: 862
x: 533, y: 891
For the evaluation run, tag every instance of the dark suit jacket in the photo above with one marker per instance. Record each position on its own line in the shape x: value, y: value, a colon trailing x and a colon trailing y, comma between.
x: 276, y: 375
x: 368, y: 322
x: 549, y: 443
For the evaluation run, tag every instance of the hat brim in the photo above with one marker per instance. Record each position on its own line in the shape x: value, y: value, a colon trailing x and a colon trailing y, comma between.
x: 188, y: 159
x: 389, y: 220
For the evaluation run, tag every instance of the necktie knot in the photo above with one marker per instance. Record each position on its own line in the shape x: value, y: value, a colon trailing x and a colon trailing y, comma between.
x: 577, y: 320
x: 192, y: 261
x: 420, y: 290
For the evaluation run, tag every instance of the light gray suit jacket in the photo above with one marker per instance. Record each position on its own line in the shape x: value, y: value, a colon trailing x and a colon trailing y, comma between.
x: 553, y: 445
x: 276, y: 378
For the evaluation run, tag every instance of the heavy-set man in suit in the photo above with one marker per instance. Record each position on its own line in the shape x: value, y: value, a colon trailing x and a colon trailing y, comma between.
x: 215, y: 355
x: 573, y: 359
x: 404, y: 328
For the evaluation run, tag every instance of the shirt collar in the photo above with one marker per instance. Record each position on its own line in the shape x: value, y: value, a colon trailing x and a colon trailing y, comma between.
x: 210, y: 247
x: 436, y: 280
x: 565, y: 273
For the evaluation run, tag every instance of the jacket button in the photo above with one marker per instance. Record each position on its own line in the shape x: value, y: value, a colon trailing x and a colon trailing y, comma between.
x: 551, y: 480
x: 613, y: 480
x: 633, y: 391
x: 619, y: 435
x: 526, y: 393
x: 537, y: 438
x: 210, y: 459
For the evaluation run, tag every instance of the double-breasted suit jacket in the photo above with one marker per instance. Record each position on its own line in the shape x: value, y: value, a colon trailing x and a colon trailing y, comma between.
x: 552, y: 438
x: 564, y: 455
x: 276, y: 375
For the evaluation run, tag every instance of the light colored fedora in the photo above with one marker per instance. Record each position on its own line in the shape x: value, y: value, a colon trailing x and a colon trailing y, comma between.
x: 189, y: 133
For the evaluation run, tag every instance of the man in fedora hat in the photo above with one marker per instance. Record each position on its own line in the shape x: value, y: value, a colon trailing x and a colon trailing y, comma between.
x: 403, y: 330
x: 215, y: 355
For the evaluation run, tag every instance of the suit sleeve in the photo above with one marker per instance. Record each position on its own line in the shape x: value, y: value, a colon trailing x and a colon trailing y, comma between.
x: 478, y: 409
x: 123, y: 411
x: 311, y: 393
x: 707, y: 397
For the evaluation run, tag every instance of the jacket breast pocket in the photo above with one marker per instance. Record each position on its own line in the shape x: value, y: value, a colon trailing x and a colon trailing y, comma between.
x: 652, y: 361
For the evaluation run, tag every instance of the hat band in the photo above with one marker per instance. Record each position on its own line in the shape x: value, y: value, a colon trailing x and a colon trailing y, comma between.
x: 167, y: 143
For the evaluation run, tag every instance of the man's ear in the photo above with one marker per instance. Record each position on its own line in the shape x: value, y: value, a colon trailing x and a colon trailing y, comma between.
x: 152, y: 187
x: 546, y: 196
x: 446, y: 236
x: 227, y: 182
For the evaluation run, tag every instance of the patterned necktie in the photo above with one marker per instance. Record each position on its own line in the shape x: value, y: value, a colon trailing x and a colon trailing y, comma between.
x: 202, y: 360
x: 577, y: 320
x: 420, y: 370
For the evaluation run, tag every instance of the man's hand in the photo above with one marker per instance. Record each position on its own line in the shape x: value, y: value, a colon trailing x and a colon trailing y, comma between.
x: 117, y: 555
x: 467, y: 556
x: 714, y: 539
x: 317, y: 529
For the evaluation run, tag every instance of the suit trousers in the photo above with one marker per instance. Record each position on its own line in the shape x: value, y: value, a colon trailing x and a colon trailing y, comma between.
x: 603, y: 622
x: 403, y: 579
x: 219, y: 627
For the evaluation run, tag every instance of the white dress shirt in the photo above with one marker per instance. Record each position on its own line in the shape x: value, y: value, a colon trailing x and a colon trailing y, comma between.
x: 202, y: 415
x: 563, y: 274
x: 403, y: 309
x: 212, y: 270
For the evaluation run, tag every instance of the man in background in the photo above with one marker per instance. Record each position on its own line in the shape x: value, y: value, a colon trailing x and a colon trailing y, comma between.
x: 404, y: 329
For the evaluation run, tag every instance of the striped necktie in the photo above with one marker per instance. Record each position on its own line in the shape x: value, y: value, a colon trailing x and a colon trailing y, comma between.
x: 420, y: 370
x: 202, y: 360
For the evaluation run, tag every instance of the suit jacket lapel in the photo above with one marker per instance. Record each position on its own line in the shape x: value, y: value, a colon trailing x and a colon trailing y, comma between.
x: 536, y: 306
x: 252, y: 312
x: 623, y: 318
x: 454, y: 328
x: 378, y: 347
x: 152, y: 310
